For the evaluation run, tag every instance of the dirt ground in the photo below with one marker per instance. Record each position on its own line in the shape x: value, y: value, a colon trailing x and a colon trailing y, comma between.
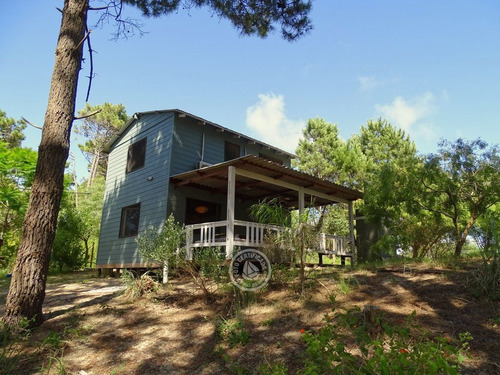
x: 94, y: 329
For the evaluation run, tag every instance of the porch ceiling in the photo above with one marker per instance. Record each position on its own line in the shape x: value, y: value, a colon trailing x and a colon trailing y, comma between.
x: 279, y: 181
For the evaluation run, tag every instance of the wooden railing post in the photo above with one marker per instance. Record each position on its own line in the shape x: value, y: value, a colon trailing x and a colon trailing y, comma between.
x: 351, y: 231
x: 189, y: 241
x: 231, y: 179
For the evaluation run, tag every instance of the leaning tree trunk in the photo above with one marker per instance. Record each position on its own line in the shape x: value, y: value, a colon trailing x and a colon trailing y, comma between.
x: 27, y: 289
x: 93, y: 167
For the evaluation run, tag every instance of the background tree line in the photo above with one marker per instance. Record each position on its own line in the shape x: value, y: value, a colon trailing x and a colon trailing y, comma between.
x: 424, y: 202
x: 77, y: 234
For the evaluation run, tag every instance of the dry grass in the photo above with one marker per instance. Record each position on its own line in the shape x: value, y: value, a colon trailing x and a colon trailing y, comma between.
x: 176, y: 332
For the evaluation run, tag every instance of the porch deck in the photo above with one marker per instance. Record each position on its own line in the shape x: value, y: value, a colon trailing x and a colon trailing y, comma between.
x: 250, y: 234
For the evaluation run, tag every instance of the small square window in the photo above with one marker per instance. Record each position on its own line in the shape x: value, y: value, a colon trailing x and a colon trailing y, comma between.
x: 231, y: 151
x: 129, y: 224
x: 136, y: 155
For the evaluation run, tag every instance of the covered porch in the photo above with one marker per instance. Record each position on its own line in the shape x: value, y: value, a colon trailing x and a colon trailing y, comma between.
x: 251, y: 179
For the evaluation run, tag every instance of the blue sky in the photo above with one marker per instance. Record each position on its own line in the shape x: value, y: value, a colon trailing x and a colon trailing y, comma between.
x: 429, y: 67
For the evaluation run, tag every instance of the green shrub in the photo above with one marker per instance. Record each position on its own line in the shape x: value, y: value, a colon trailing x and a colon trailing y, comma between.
x: 233, y: 331
x: 209, y: 262
x: 348, y: 345
x: 278, y: 368
x: 11, y: 345
x: 206, y: 270
x: 485, y: 280
x: 136, y: 287
x: 347, y: 284
x: 162, y: 246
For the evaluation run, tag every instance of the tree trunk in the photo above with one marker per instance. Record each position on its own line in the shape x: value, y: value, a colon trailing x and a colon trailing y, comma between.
x: 458, y: 248
x: 27, y: 289
x: 86, y: 243
x: 93, y: 168
x: 461, y: 238
x: 92, y: 256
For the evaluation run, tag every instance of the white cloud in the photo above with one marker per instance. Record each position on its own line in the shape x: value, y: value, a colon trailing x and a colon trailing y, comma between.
x: 405, y: 113
x: 414, y: 116
x: 368, y: 82
x: 267, y: 119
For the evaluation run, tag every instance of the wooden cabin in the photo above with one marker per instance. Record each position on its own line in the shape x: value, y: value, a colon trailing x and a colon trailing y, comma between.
x: 207, y: 176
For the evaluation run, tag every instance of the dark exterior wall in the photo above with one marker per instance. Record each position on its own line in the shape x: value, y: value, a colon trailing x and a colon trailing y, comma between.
x: 178, y: 196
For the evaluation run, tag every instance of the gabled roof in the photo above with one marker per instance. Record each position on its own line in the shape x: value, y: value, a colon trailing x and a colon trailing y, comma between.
x: 280, y: 181
x: 201, y: 121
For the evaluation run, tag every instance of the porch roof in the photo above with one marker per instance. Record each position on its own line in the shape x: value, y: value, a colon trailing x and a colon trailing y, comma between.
x: 258, y: 178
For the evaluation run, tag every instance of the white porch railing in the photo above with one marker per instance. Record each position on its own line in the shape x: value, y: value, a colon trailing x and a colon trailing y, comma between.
x: 247, y: 233
x: 335, y: 245
x: 254, y: 232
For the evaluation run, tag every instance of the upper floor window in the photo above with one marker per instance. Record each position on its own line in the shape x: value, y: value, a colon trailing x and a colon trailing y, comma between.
x: 231, y: 151
x: 129, y: 223
x: 136, y: 155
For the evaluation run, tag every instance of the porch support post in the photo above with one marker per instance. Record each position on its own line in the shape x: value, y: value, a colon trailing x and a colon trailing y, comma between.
x: 231, y: 180
x: 301, y: 201
x: 351, y: 230
x: 189, y: 242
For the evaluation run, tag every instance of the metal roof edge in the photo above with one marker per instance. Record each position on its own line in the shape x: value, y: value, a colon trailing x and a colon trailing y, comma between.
x: 249, y: 158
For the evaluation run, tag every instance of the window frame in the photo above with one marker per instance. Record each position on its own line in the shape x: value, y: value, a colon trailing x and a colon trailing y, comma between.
x: 139, y: 160
x: 123, y: 220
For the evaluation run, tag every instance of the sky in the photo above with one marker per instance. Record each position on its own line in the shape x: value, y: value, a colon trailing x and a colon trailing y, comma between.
x: 429, y: 67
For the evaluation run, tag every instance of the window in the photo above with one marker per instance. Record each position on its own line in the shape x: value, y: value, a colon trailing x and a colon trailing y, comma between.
x: 231, y: 151
x: 129, y: 224
x: 136, y: 155
x: 271, y: 158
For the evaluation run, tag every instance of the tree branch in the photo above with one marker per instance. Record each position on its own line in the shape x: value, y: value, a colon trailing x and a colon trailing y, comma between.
x: 29, y: 123
x: 82, y: 117
x: 125, y: 27
x: 91, y: 73
x: 100, y: 8
x: 433, y: 210
x: 83, y: 40
x: 430, y: 188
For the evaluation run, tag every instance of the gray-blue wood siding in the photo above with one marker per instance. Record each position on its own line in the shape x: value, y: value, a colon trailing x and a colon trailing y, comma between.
x: 147, y: 185
x: 174, y: 145
x: 188, y: 146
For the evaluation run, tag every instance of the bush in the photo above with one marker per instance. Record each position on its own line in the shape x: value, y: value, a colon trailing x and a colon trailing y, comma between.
x: 11, y: 340
x: 162, y: 246
x: 206, y: 270
x: 232, y: 331
x: 485, y: 281
x: 349, y: 345
x: 136, y: 287
x: 67, y: 252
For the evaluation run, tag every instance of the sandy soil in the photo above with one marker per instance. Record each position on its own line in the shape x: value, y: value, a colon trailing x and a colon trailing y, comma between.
x: 104, y: 332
